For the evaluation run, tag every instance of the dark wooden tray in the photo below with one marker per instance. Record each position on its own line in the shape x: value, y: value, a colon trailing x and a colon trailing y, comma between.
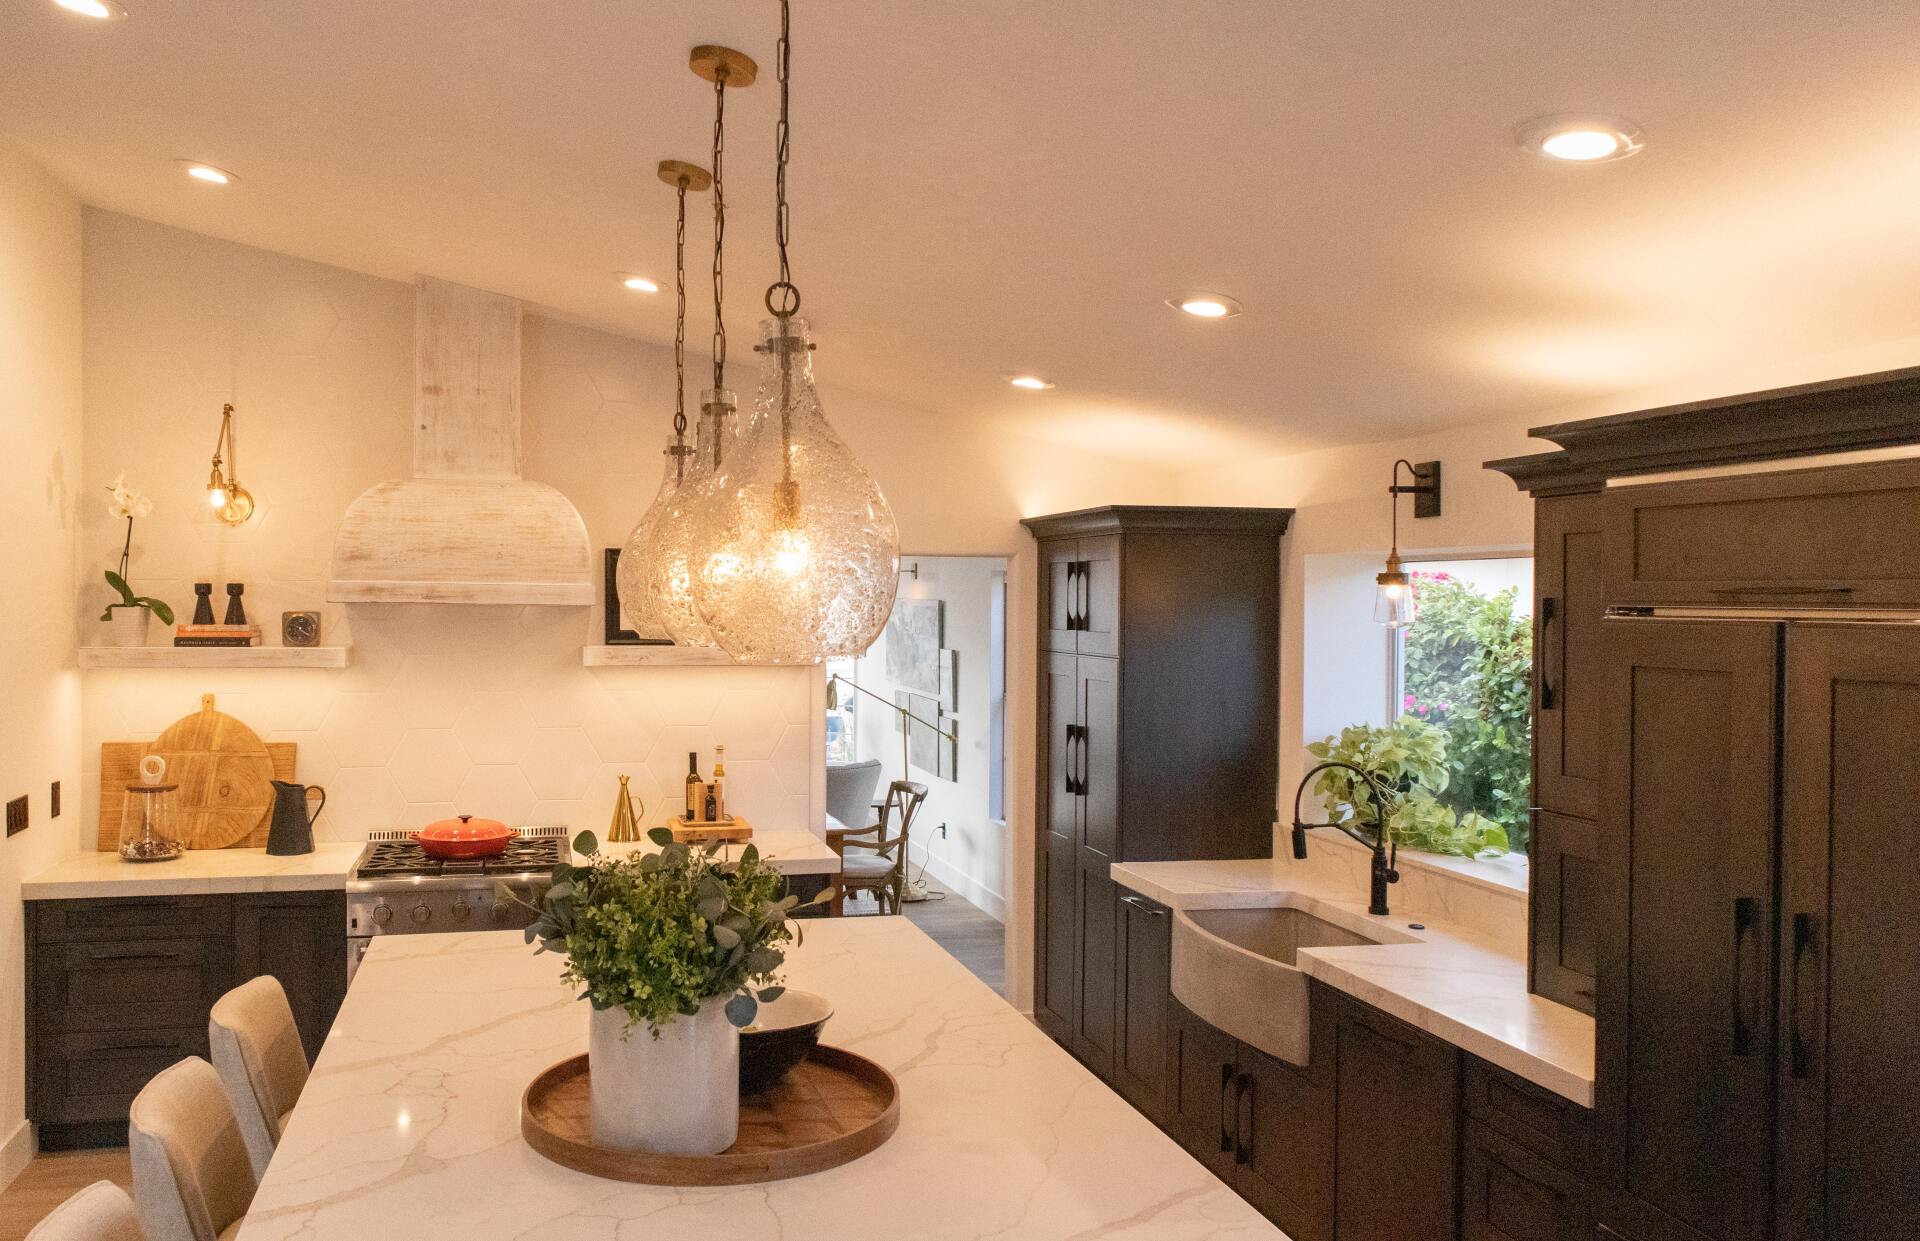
x: 830, y: 1109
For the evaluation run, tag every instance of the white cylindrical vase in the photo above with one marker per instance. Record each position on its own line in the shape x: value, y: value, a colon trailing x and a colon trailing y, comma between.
x: 129, y: 625
x: 678, y: 1094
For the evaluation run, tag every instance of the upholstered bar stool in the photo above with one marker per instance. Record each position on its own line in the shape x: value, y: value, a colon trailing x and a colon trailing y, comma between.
x: 191, y: 1177
x: 256, y: 1049
x: 100, y: 1212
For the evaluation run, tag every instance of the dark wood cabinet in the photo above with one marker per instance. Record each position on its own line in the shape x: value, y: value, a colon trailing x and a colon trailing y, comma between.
x: 1202, y: 1065
x: 1569, y: 605
x: 1685, y: 1035
x: 1507, y: 1193
x: 1158, y: 731
x: 1145, y: 989
x: 119, y: 989
x: 1849, y: 935
x: 1396, y: 1117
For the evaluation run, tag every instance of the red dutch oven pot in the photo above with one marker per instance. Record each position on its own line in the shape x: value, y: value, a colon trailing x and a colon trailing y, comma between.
x: 464, y: 837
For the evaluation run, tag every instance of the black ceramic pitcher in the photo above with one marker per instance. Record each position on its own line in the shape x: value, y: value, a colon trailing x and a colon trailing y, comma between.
x: 292, y: 829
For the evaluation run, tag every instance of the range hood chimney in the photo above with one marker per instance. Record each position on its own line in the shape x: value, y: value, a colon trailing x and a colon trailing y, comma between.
x: 466, y: 528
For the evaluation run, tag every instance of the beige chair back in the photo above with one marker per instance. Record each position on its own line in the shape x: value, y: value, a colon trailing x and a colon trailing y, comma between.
x: 100, y: 1212
x: 191, y: 1176
x: 256, y: 1049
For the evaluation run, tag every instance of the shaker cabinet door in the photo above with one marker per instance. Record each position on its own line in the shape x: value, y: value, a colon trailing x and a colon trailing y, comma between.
x: 1849, y: 931
x: 1685, y: 1028
x: 1569, y: 605
x: 1060, y: 594
x: 1100, y: 595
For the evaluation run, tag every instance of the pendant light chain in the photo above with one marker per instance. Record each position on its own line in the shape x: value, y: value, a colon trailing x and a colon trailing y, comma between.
x: 679, y: 449
x: 788, y: 303
x: 720, y: 76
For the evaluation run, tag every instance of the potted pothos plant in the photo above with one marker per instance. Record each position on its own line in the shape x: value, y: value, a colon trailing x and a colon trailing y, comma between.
x: 130, y: 616
x: 674, y: 950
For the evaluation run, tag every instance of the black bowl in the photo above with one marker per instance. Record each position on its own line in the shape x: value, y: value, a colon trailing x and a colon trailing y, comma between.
x: 784, y: 1032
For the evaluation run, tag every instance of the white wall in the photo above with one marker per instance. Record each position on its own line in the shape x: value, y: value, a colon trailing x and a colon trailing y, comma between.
x: 41, y: 498
x: 971, y: 858
x: 485, y: 709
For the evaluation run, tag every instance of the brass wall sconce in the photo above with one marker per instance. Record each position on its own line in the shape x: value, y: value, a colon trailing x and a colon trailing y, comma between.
x: 1393, y: 603
x: 230, y: 502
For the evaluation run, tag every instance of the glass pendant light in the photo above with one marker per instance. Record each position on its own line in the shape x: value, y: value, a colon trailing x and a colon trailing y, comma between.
x: 669, y: 581
x: 1393, y: 603
x: 638, y: 611
x: 796, y: 558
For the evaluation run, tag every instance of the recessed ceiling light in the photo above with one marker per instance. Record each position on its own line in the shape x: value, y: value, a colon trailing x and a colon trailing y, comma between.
x: 1206, y: 305
x: 98, y: 10
x: 639, y: 284
x: 206, y: 172
x: 1579, y: 138
x: 1032, y: 383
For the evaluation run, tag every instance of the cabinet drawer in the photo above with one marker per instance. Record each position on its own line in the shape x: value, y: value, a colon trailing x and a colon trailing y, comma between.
x: 1508, y: 1194
x: 127, y: 985
x: 94, y: 1075
x: 1843, y: 536
x: 131, y: 918
x: 1554, y: 1128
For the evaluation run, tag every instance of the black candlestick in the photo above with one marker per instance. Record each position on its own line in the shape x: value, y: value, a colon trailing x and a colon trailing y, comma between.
x: 203, y: 603
x: 236, y: 613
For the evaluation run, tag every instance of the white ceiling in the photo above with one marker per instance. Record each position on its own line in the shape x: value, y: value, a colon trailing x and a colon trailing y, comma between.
x: 1001, y: 185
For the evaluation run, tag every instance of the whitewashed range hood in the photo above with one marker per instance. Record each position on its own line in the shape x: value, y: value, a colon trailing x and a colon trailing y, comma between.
x: 466, y: 528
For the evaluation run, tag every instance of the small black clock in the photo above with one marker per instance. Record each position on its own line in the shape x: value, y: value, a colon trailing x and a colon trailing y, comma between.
x: 300, y: 628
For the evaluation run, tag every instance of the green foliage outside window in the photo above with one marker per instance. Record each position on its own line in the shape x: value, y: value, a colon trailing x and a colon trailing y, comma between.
x: 1468, y: 672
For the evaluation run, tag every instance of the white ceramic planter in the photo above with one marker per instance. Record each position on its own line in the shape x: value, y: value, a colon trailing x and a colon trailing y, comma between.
x: 678, y: 1094
x: 129, y: 625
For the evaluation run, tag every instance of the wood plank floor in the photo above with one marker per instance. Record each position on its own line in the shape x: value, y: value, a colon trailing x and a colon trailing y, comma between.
x: 50, y: 1179
x: 965, y: 930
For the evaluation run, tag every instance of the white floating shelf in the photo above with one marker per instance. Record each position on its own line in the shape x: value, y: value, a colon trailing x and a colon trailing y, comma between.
x: 215, y: 656
x: 656, y: 657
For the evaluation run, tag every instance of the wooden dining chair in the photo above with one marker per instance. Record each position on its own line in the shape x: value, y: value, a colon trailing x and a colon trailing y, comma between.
x: 874, y: 859
x: 100, y: 1212
x: 257, y: 1052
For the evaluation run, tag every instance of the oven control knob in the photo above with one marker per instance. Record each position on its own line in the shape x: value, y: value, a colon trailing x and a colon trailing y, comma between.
x: 382, y: 914
x: 502, y: 912
x: 461, y: 911
x: 420, y: 915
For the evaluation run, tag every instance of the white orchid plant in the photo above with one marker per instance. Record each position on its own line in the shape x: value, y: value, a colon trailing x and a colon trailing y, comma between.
x: 128, y: 504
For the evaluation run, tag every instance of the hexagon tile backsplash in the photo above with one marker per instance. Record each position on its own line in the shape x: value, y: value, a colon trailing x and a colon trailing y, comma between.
x: 487, y: 711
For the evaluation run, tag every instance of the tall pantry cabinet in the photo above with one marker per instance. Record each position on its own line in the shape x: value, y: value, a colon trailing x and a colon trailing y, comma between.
x: 1158, y: 732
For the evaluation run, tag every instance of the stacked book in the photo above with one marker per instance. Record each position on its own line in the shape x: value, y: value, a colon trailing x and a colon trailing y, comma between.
x: 216, y: 635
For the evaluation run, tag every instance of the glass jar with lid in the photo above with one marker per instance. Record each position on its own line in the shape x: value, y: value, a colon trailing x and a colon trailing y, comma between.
x: 147, y: 815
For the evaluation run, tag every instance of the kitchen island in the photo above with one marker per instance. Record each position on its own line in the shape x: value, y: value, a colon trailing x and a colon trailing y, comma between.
x: 411, y: 1119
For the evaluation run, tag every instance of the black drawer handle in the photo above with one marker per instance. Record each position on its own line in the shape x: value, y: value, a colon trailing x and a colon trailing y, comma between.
x: 149, y: 1045
x: 1144, y: 905
x: 1227, y: 1127
x: 1743, y: 920
x: 1764, y: 588
x: 1800, y: 1046
x: 1549, y: 608
x: 1243, y: 1127
x: 135, y: 954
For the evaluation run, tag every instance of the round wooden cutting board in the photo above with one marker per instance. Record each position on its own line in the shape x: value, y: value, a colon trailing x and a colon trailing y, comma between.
x: 224, y: 773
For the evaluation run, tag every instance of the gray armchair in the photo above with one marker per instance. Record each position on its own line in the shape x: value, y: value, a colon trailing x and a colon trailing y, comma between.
x: 850, y: 789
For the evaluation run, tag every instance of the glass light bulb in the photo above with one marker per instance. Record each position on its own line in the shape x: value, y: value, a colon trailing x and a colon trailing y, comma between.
x: 668, y: 559
x: 796, y: 555
x: 1394, y: 604
x: 216, y: 497
x: 637, y: 612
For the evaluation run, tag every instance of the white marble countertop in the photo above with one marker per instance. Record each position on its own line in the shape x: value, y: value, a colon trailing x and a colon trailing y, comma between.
x: 791, y: 850
x: 196, y: 872
x: 1451, y: 982
x: 411, y: 1119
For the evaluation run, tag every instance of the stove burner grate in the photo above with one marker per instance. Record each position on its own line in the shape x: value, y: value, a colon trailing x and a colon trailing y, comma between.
x: 402, y: 858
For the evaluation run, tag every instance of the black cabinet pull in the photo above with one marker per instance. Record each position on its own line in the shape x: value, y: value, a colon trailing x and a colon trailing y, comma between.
x: 1549, y: 608
x: 1800, y: 1045
x: 143, y: 1045
x: 1768, y: 588
x: 1071, y: 785
x: 1086, y: 594
x: 1227, y: 1129
x: 1083, y: 760
x: 1743, y: 919
x: 1242, y: 1129
x: 134, y: 954
x: 1144, y: 905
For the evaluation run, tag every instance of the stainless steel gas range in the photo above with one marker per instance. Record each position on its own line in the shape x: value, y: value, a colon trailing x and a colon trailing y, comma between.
x: 396, y: 889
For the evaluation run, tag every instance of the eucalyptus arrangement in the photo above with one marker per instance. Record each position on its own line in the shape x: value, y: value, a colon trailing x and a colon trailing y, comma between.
x: 129, y: 616
x: 1410, y: 757
x: 657, y: 935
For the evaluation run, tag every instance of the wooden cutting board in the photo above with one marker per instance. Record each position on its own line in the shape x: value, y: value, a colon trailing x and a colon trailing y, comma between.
x: 224, y: 773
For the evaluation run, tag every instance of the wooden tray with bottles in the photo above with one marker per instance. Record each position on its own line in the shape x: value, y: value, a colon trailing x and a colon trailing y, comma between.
x: 729, y: 828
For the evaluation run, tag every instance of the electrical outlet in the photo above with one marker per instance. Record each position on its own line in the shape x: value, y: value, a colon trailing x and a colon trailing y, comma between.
x: 17, y: 815
x: 53, y: 801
